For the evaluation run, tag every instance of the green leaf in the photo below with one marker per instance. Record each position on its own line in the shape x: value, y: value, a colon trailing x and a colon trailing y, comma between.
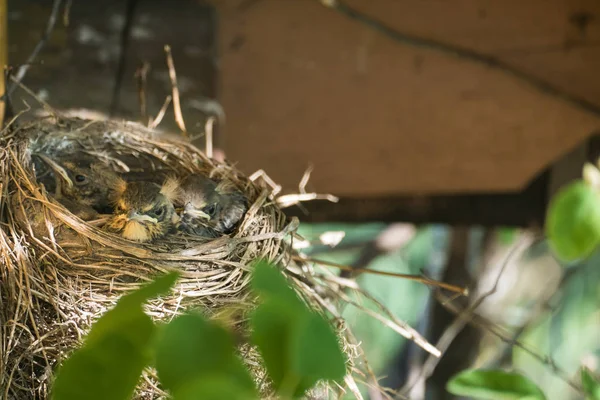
x: 573, y: 221
x: 316, y: 351
x: 214, y: 387
x: 494, y: 385
x: 298, y: 346
x: 272, y: 326
x: 591, y: 386
x: 129, y: 306
x: 190, y: 348
x: 115, y: 352
x: 268, y: 282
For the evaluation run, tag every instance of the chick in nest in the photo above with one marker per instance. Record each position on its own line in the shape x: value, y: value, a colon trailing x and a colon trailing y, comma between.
x: 80, y: 182
x: 209, y: 209
x: 83, y: 179
x: 144, y: 211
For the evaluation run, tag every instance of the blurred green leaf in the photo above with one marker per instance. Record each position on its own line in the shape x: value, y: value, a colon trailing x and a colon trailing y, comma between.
x: 298, y: 346
x: 191, y: 349
x: 567, y: 333
x: 494, y: 385
x: 214, y: 387
x: 573, y: 221
x: 115, y: 352
x: 269, y: 283
x: 316, y: 351
x: 129, y: 304
x: 272, y: 326
x: 591, y: 386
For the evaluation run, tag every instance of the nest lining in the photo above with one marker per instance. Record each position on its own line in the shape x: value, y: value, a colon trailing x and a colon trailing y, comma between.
x: 60, y: 273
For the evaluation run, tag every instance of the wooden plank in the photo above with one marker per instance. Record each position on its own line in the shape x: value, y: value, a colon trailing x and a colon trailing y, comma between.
x: 525, y: 209
x: 380, y: 118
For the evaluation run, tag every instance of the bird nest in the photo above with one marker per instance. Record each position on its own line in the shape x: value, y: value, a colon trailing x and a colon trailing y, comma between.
x: 60, y: 273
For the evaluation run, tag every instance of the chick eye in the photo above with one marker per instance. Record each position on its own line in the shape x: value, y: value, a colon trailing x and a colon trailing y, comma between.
x: 80, y: 178
x: 157, y: 212
x: 211, y: 209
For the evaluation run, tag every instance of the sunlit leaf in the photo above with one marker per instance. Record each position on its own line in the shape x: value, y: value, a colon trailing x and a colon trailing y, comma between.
x: 494, y: 385
x: 128, y: 305
x: 214, y: 387
x: 316, y: 351
x: 271, y: 328
x: 573, y: 221
x: 190, y: 349
x: 298, y: 346
x: 591, y: 386
x: 268, y: 282
x: 115, y: 352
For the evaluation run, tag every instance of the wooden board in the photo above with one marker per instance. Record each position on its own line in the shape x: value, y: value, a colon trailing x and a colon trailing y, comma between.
x: 304, y: 84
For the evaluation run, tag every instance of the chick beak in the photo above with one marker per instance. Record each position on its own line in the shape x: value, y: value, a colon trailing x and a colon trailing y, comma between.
x: 195, y: 213
x: 133, y: 215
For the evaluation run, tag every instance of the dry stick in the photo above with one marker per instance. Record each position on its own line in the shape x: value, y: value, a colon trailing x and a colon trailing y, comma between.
x: 176, y: 104
x: 141, y: 77
x: 454, y: 329
x: 47, y: 106
x: 3, y: 57
x: 67, y: 13
x: 40, y: 45
x: 208, y: 131
x: 161, y: 114
x: 467, y: 316
x: 123, y: 49
x: 418, y: 278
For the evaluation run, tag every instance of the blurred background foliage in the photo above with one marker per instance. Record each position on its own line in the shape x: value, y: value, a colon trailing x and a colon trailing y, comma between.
x: 552, y: 309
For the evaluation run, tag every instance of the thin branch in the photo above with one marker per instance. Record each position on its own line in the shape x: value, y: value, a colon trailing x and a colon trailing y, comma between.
x: 176, y: 104
x: 497, y: 331
x: 463, y: 319
x: 161, y: 114
x: 40, y: 45
x: 142, y: 74
x: 3, y: 57
x: 417, y: 278
x: 124, y: 47
x: 208, y: 131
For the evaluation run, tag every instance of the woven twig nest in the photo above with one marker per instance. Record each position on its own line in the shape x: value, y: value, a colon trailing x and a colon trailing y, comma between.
x: 60, y: 273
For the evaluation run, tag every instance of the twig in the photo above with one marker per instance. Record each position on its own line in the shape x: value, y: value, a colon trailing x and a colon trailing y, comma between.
x: 141, y: 74
x: 47, y: 106
x: 305, y: 179
x: 124, y: 47
x: 208, y: 130
x: 40, y: 45
x: 288, y: 200
x: 176, y: 104
x: 464, y: 317
x: 67, y: 13
x: 544, y: 307
x: 275, y: 188
x: 494, y: 329
x: 161, y: 114
x: 417, y: 278
x: 3, y: 58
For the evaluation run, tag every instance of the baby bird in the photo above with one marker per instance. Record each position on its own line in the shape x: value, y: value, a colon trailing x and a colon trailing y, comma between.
x: 82, y: 179
x: 144, y: 211
x: 209, y: 209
